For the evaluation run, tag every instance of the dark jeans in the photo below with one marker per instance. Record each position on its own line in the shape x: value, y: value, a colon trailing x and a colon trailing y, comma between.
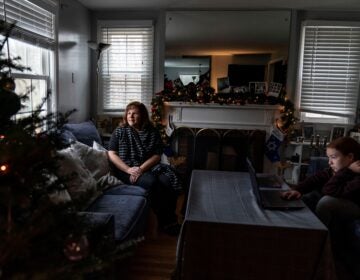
x: 335, y: 213
x: 163, y: 198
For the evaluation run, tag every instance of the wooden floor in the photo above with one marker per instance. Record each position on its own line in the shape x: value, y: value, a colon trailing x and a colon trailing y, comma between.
x: 154, y: 259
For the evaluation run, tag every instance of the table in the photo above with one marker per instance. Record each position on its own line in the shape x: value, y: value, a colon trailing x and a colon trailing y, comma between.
x: 226, y: 235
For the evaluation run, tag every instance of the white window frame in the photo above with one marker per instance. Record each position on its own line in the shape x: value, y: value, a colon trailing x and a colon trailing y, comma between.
x: 47, y: 81
x: 122, y: 24
x: 24, y: 32
x: 315, y: 116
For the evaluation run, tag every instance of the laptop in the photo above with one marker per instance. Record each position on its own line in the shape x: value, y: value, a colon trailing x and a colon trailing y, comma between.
x: 270, y: 199
x: 269, y: 181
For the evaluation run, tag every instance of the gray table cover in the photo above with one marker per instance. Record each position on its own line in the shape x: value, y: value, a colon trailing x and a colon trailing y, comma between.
x: 227, y: 235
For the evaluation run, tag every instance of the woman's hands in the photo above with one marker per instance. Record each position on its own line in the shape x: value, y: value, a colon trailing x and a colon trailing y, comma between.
x: 291, y: 195
x: 135, y: 172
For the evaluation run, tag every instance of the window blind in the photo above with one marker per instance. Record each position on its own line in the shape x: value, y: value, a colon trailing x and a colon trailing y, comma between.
x: 329, y: 82
x: 34, y: 24
x: 126, y: 68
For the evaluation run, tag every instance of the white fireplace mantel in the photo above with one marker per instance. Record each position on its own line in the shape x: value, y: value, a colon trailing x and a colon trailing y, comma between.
x: 210, y: 115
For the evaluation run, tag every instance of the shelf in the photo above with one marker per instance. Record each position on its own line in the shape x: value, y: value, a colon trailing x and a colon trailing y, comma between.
x: 306, y: 143
x: 298, y: 164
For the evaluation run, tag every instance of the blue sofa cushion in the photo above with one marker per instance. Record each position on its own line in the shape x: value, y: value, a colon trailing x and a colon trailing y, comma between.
x: 128, y: 211
x: 67, y: 137
x: 84, y: 132
x: 127, y: 190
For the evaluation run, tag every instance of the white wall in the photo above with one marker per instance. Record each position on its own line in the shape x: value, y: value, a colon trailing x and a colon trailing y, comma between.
x: 74, y: 60
x: 220, y: 63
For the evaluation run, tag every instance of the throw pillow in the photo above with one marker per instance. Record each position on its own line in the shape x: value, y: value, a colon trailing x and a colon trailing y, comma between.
x: 94, y: 160
x: 98, y: 147
x: 84, y: 132
x: 108, y: 181
x: 78, y: 180
x: 58, y: 196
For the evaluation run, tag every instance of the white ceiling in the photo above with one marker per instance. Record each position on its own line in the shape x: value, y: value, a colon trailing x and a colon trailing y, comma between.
x: 350, y: 5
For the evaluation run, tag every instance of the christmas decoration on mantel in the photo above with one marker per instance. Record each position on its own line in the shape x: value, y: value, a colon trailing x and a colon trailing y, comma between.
x: 42, y: 235
x: 202, y: 93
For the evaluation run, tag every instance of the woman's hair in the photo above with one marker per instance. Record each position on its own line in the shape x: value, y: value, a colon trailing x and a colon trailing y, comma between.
x: 144, y: 114
x: 346, y: 145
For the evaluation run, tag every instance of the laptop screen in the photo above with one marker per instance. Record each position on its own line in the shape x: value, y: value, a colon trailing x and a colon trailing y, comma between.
x: 254, y: 183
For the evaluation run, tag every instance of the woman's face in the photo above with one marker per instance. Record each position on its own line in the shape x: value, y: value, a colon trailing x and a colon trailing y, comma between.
x: 337, y: 160
x: 133, y: 117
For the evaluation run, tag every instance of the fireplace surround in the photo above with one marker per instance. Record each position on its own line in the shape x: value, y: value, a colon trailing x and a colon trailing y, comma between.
x: 220, y: 137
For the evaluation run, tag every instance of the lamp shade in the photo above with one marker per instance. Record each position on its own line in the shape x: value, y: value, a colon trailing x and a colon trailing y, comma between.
x: 98, y: 47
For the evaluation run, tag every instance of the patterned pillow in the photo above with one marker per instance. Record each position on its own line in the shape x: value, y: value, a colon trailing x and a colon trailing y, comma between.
x: 78, y: 180
x: 94, y: 160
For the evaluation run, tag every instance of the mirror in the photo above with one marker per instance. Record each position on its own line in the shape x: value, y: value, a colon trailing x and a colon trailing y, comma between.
x: 223, y: 38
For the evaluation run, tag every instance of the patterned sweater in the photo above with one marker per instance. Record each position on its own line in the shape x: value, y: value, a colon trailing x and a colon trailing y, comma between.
x: 135, y: 147
x: 343, y: 184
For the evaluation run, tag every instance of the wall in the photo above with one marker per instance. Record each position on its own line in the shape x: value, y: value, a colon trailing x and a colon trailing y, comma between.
x: 219, y: 64
x: 74, y: 60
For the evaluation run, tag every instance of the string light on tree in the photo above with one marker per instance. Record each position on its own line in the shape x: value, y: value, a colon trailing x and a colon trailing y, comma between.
x: 4, y: 168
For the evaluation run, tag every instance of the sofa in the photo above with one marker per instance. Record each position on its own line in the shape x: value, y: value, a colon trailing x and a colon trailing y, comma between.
x: 352, y: 230
x: 113, y: 209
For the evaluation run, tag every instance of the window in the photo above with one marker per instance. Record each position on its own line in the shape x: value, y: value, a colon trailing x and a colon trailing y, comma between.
x: 33, y: 40
x: 36, y: 82
x: 329, y: 71
x: 126, y: 68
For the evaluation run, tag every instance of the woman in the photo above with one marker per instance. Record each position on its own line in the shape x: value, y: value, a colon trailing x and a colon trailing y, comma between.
x: 135, y: 151
x: 334, y: 193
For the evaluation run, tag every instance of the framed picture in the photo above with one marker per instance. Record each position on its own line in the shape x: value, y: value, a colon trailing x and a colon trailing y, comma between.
x: 337, y: 131
x: 308, y: 131
x: 274, y: 89
x: 258, y: 87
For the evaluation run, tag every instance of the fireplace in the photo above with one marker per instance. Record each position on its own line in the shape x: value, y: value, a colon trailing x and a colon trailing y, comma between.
x: 220, y: 137
x: 218, y: 149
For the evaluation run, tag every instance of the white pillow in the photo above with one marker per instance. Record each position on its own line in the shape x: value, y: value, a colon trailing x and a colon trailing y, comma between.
x: 94, y: 160
x: 98, y: 147
x: 78, y: 180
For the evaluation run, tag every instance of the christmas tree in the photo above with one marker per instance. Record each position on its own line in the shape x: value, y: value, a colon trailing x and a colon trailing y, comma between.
x: 41, y: 232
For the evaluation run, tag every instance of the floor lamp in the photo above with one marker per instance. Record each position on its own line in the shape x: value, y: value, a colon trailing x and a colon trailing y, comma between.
x: 99, y: 48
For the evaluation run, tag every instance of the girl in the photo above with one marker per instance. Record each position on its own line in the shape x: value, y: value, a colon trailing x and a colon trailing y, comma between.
x: 333, y: 194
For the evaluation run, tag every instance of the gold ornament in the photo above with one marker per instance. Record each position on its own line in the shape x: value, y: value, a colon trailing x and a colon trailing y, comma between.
x: 76, y: 248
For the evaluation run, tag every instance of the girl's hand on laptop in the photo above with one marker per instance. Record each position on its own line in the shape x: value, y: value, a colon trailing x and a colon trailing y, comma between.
x: 291, y: 195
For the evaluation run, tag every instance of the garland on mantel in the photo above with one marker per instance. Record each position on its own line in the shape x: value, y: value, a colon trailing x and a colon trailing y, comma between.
x: 203, y: 93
